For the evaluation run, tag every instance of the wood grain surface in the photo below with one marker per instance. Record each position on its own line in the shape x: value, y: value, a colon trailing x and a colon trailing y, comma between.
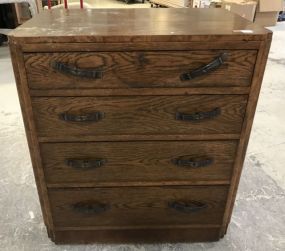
x: 140, y: 69
x: 137, y: 206
x: 138, y: 161
x: 139, y: 46
x: 28, y: 119
x: 136, y: 137
x: 139, y: 115
x: 137, y: 92
x: 246, y: 131
x: 141, y: 54
x: 138, y: 25
x: 144, y: 235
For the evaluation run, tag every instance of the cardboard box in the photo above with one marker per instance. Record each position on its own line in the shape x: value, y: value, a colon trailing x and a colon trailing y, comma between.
x: 266, y: 19
x: 196, y: 3
x: 263, y: 5
x: 270, y: 5
x: 22, y: 12
x: 215, y: 5
x: 244, y: 9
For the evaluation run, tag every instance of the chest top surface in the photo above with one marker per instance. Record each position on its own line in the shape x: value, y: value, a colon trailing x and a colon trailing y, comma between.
x: 137, y: 25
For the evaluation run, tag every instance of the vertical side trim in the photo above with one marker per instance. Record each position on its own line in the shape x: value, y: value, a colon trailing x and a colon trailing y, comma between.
x: 27, y: 114
x: 246, y: 130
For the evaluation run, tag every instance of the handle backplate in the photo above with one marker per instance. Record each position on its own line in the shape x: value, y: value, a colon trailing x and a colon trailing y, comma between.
x: 215, y: 64
x: 78, y: 72
x: 90, y: 117
x: 90, y: 207
x: 188, y: 206
x: 85, y: 163
x: 198, y: 116
x: 196, y: 162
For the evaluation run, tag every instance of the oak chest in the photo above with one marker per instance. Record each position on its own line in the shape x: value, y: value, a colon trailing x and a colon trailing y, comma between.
x: 138, y: 120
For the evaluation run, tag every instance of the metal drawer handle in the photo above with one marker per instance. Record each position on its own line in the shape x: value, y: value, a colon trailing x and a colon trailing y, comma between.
x: 90, y: 207
x: 91, y: 117
x: 85, y: 163
x: 215, y: 64
x: 187, y: 206
x: 198, y: 115
x: 193, y: 162
x: 71, y: 70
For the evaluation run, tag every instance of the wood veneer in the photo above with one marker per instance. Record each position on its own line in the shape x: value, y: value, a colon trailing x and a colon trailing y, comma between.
x: 130, y: 197
x: 139, y: 69
x: 138, y: 115
x: 136, y: 161
x: 138, y: 206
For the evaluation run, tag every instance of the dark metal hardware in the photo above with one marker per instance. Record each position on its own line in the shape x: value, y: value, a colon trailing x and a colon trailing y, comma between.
x: 71, y: 70
x: 90, y: 207
x: 187, y: 206
x: 198, y: 115
x: 85, y: 163
x: 193, y: 162
x: 215, y: 64
x: 91, y: 117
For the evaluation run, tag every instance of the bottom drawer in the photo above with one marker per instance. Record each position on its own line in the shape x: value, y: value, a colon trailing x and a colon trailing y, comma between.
x: 138, y: 206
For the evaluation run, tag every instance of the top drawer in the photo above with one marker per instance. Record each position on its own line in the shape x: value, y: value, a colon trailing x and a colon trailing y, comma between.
x: 210, y: 68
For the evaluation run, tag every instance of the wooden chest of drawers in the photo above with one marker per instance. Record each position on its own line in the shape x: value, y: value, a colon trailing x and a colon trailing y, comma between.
x: 138, y: 120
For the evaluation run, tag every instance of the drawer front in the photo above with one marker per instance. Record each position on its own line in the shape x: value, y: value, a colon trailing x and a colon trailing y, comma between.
x: 138, y: 161
x: 140, y: 69
x: 138, y: 206
x: 147, y: 115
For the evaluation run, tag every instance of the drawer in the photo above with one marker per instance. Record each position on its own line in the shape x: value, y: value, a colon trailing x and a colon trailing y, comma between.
x: 135, y: 206
x: 140, y: 69
x: 104, y: 162
x: 139, y: 115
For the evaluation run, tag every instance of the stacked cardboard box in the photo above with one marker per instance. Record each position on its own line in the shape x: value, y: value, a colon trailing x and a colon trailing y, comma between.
x: 200, y: 3
x: 215, y: 4
x: 171, y: 3
x: 267, y: 12
x: 22, y: 12
x: 181, y: 3
x: 246, y: 9
x: 262, y: 12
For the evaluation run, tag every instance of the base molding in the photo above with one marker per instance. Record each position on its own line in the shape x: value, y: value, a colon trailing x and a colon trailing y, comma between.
x: 137, y: 235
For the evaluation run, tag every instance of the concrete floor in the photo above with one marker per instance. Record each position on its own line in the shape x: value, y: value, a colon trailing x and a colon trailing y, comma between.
x: 258, y: 222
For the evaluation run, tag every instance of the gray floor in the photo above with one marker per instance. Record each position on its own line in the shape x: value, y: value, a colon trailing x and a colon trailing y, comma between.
x: 258, y: 221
